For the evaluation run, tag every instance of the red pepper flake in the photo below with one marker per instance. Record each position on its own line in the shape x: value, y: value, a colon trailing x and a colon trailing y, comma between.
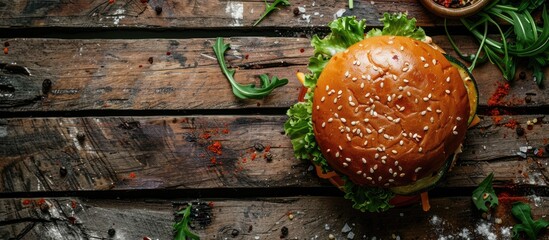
x: 501, y: 91
x: 213, y: 160
x: 40, y: 201
x: 132, y: 175
x: 168, y: 53
x: 302, y: 50
x: 244, y: 160
x: 205, y: 135
x: 6, y: 50
x: 144, y: 1
x: 225, y: 131
x: 211, y: 204
x: 254, y: 155
x: 26, y: 202
x: 268, y: 148
x: 540, y: 152
x: 72, y: 220
x: 140, y: 66
x: 512, y: 124
x: 246, y: 56
x: 215, y: 148
x: 111, y: 1
x: 73, y: 204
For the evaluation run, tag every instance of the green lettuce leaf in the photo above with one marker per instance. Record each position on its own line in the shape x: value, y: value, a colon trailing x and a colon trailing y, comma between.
x: 398, y: 25
x: 484, y: 195
x: 531, y: 228
x: 345, y: 32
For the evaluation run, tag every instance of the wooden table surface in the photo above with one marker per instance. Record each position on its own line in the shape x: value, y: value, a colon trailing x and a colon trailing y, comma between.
x: 119, y: 139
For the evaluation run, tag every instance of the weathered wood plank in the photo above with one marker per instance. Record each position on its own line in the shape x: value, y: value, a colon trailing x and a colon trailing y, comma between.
x: 117, y: 74
x: 313, y: 217
x: 195, y: 14
x: 180, y: 152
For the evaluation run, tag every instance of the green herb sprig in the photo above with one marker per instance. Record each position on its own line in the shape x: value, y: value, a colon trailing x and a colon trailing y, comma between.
x: 522, y: 40
x: 245, y: 91
x: 531, y: 228
x: 351, y: 4
x: 484, y: 195
x: 182, y: 231
x: 271, y: 7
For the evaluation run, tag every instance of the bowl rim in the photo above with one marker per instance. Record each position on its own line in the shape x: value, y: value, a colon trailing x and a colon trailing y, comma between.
x: 442, y: 11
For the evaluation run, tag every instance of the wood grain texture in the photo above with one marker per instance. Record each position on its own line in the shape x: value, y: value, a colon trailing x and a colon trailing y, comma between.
x: 313, y: 217
x: 195, y: 13
x: 117, y: 74
x: 176, y: 152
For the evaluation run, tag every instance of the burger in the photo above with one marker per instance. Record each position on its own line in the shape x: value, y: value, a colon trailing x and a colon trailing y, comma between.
x: 385, y: 113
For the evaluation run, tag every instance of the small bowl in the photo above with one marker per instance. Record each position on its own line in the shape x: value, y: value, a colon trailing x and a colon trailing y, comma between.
x: 461, y: 12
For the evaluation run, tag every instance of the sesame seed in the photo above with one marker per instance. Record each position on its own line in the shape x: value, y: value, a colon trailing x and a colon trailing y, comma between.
x: 375, y: 114
x: 429, y: 96
x: 379, y: 178
x: 375, y: 167
x: 401, y: 143
x: 352, y: 104
x: 365, y: 142
x: 354, y: 79
x: 390, y: 170
x: 400, y: 88
x: 390, y: 42
x: 358, y: 63
x: 395, y: 77
x: 348, y: 137
x: 401, y: 48
x: 423, y: 113
x: 389, y: 118
x: 434, y: 61
x: 426, y: 65
x: 380, y: 130
x: 363, y: 160
x: 396, y: 163
x: 353, y: 123
x: 339, y: 107
x: 356, y: 109
x: 406, y: 63
x: 323, y: 124
x: 358, y: 172
x: 339, y: 92
x: 455, y: 132
x: 405, y: 69
x: 406, y: 80
x: 386, y: 136
x: 394, y: 151
x: 340, y: 148
x: 345, y: 164
x: 376, y: 156
x: 458, y: 118
x: 432, y: 119
x: 371, y: 170
x: 396, y: 120
x: 348, y: 159
x: 417, y: 169
x: 335, y: 100
x: 425, y: 128
x: 369, y: 178
x: 371, y: 100
x: 395, y: 174
x: 448, y: 79
x: 447, y: 91
x: 366, y: 120
x: 402, y: 174
x: 399, y: 168
x: 454, y: 128
x: 422, y: 58
x: 381, y: 84
x: 330, y: 120
x: 376, y: 97
x: 404, y: 134
x: 361, y: 85
x: 368, y: 130
x: 402, y: 109
x: 408, y: 94
x: 337, y: 154
x: 399, y: 96
x: 354, y: 62
x: 347, y: 74
x: 438, y: 111
x: 317, y: 107
x: 379, y: 149
x: 391, y: 180
x: 389, y: 98
x: 347, y: 129
x: 375, y: 68
x: 425, y: 99
x: 420, y: 149
x: 369, y: 77
x: 429, y: 109
x: 322, y: 99
x: 343, y: 120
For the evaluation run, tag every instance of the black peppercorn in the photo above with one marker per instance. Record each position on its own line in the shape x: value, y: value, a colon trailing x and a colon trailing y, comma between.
x: 283, y: 232
x: 528, y: 99
x: 158, y: 10
x: 296, y: 11
x: 151, y: 60
x: 80, y: 137
x: 111, y: 232
x: 268, y: 157
x: 259, y: 147
x: 62, y: 171
x: 520, y: 131
x: 235, y: 232
x: 46, y: 86
x: 44, y: 207
x: 6, y: 44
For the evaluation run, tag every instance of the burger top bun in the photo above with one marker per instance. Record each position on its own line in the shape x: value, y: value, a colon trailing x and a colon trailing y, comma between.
x: 389, y: 111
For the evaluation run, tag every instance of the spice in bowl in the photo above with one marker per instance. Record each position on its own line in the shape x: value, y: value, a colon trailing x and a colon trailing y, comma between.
x: 454, y: 3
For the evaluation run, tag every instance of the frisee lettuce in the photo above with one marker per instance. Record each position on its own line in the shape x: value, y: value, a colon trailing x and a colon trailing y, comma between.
x: 345, y: 32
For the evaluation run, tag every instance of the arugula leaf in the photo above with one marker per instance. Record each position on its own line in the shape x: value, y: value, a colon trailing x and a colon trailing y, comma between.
x: 245, y: 91
x: 398, y: 25
x: 531, y: 228
x: 522, y: 39
x: 182, y: 231
x: 271, y: 7
x: 484, y: 194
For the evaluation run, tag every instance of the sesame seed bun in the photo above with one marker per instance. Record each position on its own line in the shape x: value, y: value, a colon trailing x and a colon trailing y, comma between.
x: 389, y: 111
